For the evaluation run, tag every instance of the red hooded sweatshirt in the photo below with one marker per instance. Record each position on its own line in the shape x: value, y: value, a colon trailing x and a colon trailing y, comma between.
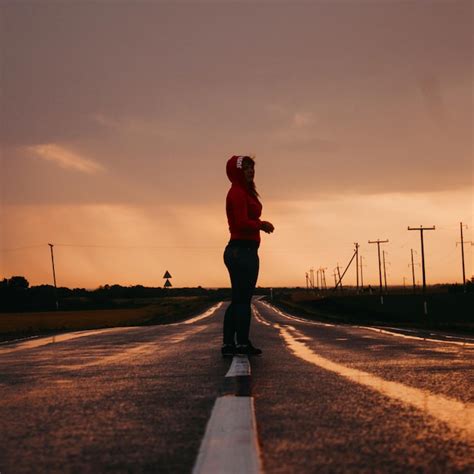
x: 243, y: 209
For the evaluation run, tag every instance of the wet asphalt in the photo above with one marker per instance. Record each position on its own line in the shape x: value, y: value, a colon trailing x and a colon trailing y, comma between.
x: 138, y: 400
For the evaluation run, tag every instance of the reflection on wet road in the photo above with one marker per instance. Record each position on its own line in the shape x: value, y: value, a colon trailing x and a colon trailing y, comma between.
x: 328, y: 398
x: 402, y: 394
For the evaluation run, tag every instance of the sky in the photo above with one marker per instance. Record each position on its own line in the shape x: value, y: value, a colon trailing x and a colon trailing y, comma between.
x: 117, y: 119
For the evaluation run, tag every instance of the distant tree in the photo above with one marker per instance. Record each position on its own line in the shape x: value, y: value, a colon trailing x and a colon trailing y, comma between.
x: 18, y: 282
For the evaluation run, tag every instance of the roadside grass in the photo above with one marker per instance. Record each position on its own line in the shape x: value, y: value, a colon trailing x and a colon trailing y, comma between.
x: 157, y: 311
x: 451, y: 312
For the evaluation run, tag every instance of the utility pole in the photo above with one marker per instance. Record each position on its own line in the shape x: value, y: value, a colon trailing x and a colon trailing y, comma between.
x: 335, y: 278
x: 347, y: 267
x: 307, y: 281
x: 339, y: 275
x: 413, y: 271
x: 422, y: 229
x: 311, y: 278
x: 323, y: 278
x: 54, y: 277
x: 461, y: 225
x: 357, y: 265
x: 317, y: 277
x: 384, y: 271
x: 361, y: 273
x: 378, y: 242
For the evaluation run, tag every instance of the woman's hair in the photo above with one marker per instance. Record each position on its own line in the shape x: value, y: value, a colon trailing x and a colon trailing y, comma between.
x: 253, y: 190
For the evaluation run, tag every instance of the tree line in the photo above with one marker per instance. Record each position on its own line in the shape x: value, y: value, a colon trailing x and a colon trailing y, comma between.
x: 16, y: 295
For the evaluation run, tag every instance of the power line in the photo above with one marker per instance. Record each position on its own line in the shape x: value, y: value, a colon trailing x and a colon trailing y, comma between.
x: 22, y: 248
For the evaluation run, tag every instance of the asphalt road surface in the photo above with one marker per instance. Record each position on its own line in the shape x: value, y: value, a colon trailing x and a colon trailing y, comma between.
x: 327, y: 398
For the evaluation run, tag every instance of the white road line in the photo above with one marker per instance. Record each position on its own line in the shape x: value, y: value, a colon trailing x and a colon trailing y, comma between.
x: 31, y: 343
x: 258, y: 316
x: 240, y: 367
x: 370, y: 328
x: 230, y: 442
x: 199, y: 317
x: 453, y: 412
x: 45, y: 340
x: 294, y: 318
x: 419, y: 338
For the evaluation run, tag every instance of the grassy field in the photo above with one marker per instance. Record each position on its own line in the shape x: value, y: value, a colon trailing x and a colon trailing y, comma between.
x: 153, y: 311
x: 445, y: 311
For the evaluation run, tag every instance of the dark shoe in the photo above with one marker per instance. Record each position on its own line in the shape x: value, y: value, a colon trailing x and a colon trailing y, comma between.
x: 228, y: 350
x: 247, y: 349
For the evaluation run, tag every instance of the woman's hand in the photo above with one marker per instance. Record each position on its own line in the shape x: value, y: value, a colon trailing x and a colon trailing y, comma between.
x: 267, y: 227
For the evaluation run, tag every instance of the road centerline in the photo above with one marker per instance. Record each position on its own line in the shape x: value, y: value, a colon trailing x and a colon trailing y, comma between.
x: 230, y: 443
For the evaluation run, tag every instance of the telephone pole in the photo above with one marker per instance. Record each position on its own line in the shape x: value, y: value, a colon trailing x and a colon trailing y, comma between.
x: 54, y: 277
x: 361, y: 273
x: 347, y: 267
x: 337, y: 278
x: 413, y: 271
x: 339, y: 275
x: 378, y: 242
x: 357, y: 265
x: 307, y: 281
x: 323, y: 278
x: 461, y: 225
x: 422, y: 229
x: 384, y: 270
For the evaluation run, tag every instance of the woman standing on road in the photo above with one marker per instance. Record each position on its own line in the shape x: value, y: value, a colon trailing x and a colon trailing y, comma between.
x: 241, y: 254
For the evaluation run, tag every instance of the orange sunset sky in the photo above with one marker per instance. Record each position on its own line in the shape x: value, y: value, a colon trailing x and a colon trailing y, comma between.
x: 117, y: 119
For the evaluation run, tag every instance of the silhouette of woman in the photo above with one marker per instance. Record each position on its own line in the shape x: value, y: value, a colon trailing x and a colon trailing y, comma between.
x: 241, y: 254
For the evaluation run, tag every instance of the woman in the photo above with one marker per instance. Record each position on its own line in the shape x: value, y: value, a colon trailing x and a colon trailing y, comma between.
x: 241, y: 254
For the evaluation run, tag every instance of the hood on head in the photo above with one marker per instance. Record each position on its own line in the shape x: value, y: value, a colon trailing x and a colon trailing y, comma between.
x: 235, y: 172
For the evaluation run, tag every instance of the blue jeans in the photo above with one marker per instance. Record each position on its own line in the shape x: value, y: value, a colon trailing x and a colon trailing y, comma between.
x: 241, y: 259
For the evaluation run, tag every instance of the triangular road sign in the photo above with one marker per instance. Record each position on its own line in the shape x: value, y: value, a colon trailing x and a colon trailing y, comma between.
x: 167, y: 274
x: 167, y: 283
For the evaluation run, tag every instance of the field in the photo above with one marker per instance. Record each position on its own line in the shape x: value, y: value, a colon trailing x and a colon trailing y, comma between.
x: 444, y: 310
x: 148, y: 311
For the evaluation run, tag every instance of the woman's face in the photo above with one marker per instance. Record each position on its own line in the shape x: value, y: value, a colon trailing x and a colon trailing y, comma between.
x: 249, y: 171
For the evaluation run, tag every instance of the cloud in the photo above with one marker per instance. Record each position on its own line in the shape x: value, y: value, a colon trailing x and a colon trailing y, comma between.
x: 431, y: 92
x: 299, y: 132
x: 302, y: 119
x: 142, y: 127
x: 65, y: 158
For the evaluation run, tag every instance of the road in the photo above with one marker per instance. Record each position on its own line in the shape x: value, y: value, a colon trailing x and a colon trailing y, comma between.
x: 327, y: 398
